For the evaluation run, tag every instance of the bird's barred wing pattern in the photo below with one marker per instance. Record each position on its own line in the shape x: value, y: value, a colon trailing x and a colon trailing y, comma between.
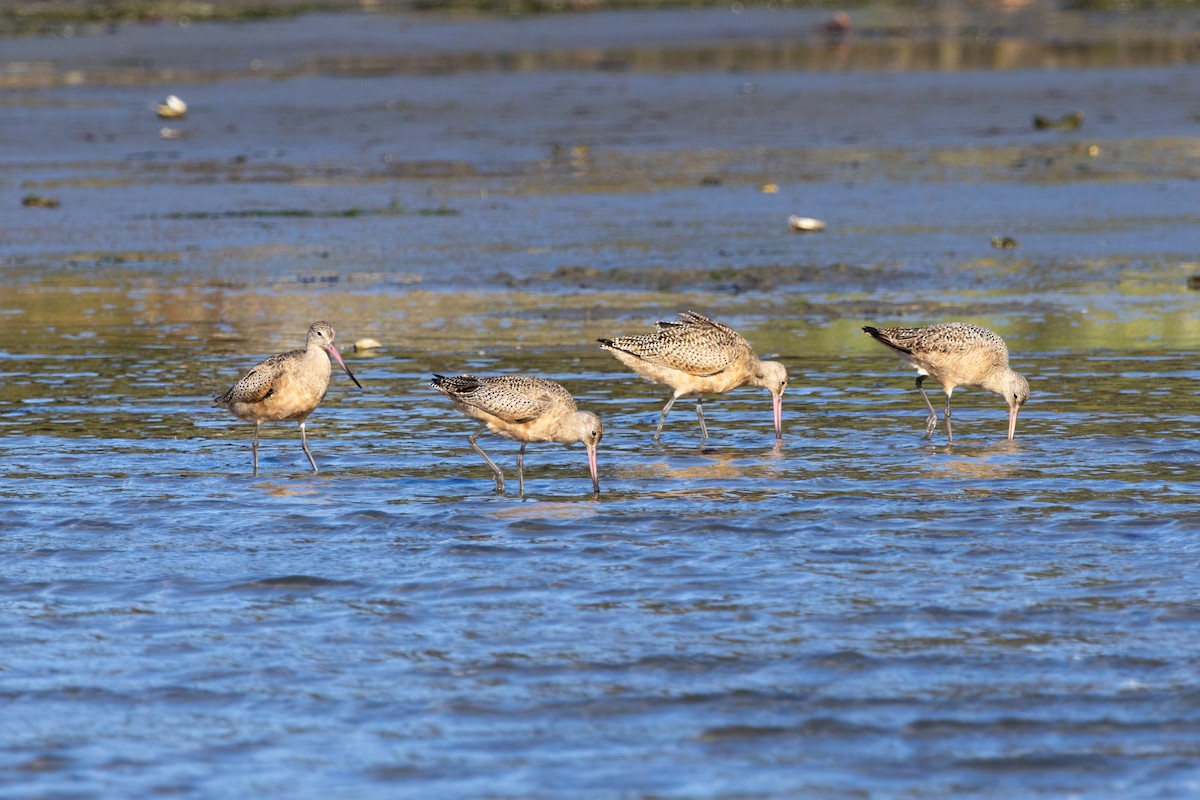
x: 694, y: 344
x: 512, y: 398
x: 950, y: 337
x: 259, y: 381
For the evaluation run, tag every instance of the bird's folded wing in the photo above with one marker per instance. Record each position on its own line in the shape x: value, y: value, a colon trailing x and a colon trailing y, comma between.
x: 257, y: 383
x: 519, y: 400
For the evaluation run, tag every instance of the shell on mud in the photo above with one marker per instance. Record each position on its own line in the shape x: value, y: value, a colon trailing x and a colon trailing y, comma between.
x: 805, y: 224
x: 171, y: 108
x: 365, y: 344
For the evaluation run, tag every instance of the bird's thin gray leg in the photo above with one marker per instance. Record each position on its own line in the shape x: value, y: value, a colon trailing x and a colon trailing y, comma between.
x: 495, y: 470
x: 304, y: 444
x: 700, y: 416
x: 931, y: 420
x: 949, y: 433
x: 254, y: 447
x: 663, y: 417
x: 521, y: 470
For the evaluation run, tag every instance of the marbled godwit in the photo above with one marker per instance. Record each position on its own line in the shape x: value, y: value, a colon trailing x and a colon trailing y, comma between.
x: 956, y: 354
x: 698, y: 356
x: 524, y: 409
x: 286, y: 387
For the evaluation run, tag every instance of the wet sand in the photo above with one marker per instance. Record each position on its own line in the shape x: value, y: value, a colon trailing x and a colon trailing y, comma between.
x: 520, y: 171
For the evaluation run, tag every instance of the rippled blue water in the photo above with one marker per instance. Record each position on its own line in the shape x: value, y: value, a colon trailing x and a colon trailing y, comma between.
x: 857, y: 608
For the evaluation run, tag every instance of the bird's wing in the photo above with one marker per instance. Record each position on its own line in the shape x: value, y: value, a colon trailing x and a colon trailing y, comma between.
x: 695, y: 345
x: 512, y: 398
x: 257, y: 384
x: 902, y: 339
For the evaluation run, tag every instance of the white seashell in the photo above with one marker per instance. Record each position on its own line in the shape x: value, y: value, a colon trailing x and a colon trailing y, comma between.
x: 171, y: 108
x: 805, y: 224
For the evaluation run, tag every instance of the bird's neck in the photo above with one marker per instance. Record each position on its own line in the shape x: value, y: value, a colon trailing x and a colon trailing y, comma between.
x: 315, y: 353
x: 758, y: 375
x: 1000, y: 381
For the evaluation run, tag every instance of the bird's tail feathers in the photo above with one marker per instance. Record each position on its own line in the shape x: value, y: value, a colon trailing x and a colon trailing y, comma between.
x: 457, y: 384
x: 882, y: 338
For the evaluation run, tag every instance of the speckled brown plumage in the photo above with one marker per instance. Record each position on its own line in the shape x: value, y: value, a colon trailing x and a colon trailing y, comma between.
x: 695, y: 345
x: 957, y: 354
x: 511, y: 398
x: 286, y: 387
x: 696, y: 355
x: 525, y: 409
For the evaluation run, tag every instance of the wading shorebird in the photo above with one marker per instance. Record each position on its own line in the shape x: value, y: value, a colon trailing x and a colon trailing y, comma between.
x: 698, y: 356
x: 286, y: 387
x: 956, y: 354
x: 524, y: 409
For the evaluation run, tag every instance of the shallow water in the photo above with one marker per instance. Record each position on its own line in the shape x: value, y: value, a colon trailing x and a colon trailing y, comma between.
x: 855, y: 612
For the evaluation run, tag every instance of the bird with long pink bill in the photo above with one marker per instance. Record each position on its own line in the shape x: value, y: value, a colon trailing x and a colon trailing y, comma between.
x: 699, y: 356
x: 286, y: 387
x: 525, y: 409
x: 957, y: 354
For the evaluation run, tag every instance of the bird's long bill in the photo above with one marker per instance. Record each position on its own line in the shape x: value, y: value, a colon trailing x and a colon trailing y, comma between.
x: 338, y: 356
x: 1012, y: 422
x: 591, y: 451
x: 777, y: 409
